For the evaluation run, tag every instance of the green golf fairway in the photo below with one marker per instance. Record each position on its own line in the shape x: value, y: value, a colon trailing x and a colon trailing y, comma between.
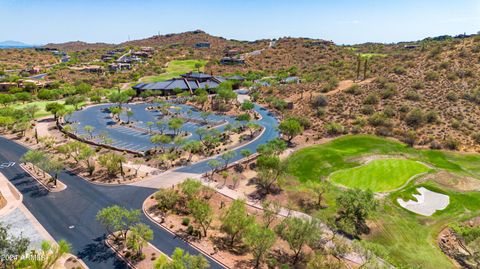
x: 379, y: 175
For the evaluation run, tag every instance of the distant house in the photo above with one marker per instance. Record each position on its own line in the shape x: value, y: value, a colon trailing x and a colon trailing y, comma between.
x: 92, y: 69
x: 33, y: 70
x: 65, y: 58
x: 410, y: 47
x: 200, y: 45
x: 107, y: 58
x: 115, y: 67
x: 291, y: 80
x: 129, y: 59
x: 5, y: 86
x: 231, y: 61
x: 187, y: 82
x: 232, y: 52
x: 236, y: 78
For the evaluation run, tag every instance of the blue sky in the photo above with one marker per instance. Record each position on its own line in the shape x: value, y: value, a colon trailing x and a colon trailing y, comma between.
x: 343, y: 21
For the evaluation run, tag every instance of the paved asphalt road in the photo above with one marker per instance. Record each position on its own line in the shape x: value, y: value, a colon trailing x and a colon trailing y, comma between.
x: 70, y: 214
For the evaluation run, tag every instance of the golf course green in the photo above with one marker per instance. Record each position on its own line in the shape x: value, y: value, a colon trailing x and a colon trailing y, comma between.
x: 401, y: 237
x: 379, y: 175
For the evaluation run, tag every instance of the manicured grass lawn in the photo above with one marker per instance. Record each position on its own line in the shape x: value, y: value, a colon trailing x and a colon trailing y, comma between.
x: 175, y: 68
x: 41, y: 105
x: 405, y: 239
x: 379, y: 175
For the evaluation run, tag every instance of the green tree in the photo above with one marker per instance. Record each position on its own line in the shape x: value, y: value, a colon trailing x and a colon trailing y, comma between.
x: 161, y: 140
x: 33, y: 156
x: 204, y: 115
x: 290, y: 128
x: 6, y: 99
x: 112, y: 162
x: 31, y: 110
x: 11, y: 246
x: 166, y: 199
x: 191, y: 188
x: 259, y: 239
x: 354, y: 207
x: 50, y: 255
x: 245, y: 154
x: 270, y: 172
x: 118, y: 219
x: 89, y: 129
x: 138, y: 237
x: 227, y: 156
x: 247, y: 106
x: 119, y: 98
x: 214, y: 164
x: 149, y: 126
x: 298, y: 232
x: 55, y: 108
x: 129, y: 115
x: 175, y: 124
x: 181, y: 260
x: 202, y: 213
x: 235, y: 221
x: 23, y: 97
x: 192, y: 147
x: 252, y: 128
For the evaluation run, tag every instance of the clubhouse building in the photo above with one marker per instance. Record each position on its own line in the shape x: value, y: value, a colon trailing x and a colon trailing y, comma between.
x: 186, y: 82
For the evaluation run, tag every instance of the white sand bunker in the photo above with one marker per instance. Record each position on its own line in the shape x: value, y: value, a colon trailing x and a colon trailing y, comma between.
x: 427, y: 202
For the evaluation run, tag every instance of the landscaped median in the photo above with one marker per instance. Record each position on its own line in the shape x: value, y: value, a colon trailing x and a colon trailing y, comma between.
x: 50, y: 183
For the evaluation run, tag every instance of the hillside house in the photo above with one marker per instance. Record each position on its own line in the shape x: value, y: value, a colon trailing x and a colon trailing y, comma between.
x: 231, y: 61
x: 201, y: 45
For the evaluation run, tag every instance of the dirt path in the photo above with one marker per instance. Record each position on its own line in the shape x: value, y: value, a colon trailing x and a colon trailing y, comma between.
x: 345, y: 84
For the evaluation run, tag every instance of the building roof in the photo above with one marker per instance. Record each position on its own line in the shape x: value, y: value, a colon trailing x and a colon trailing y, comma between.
x: 177, y: 83
x: 236, y: 77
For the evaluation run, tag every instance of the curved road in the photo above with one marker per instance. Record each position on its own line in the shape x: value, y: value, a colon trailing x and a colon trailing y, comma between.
x: 70, y: 214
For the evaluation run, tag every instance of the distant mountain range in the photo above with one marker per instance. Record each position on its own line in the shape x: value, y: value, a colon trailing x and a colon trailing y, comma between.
x: 15, y: 44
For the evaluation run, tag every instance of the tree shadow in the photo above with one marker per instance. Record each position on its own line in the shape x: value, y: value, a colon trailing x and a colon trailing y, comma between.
x: 99, y: 252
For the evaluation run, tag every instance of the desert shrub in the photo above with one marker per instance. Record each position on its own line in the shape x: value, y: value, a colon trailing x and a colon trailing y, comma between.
x: 456, y: 124
x: 431, y: 117
x: 304, y: 121
x: 452, y: 96
x: 383, y: 131
x: 387, y: 93
x: 371, y: 99
x: 332, y: 83
x: 412, y: 95
x: 185, y: 221
x: 435, y: 145
x: 320, y: 101
x: 452, y: 76
x: 444, y: 65
x: 381, y: 81
x: 320, y: 112
x: 389, y: 111
x: 404, y: 108
x: 409, y: 138
x: 476, y: 138
x: 354, y: 89
x: 379, y: 119
x: 418, y: 85
x: 451, y: 143
x: 367, y: 110
x: 431, y: 76
x: 415, y: 118
x: 399, y: 70
x: 473, y: 96
x: 334, y: 128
